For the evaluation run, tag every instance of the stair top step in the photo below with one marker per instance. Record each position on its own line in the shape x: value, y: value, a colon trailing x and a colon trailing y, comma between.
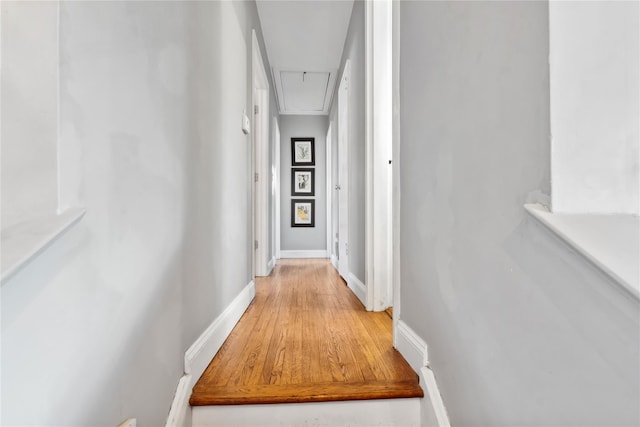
x: 299, y: 393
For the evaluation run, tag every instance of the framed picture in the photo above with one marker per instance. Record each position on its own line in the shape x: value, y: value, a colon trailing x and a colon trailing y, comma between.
x: 303, y: 213
x: 303, y: 152
x: 303, y: 182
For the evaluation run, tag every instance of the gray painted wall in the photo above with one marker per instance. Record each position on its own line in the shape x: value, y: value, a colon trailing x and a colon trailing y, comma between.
x: 521, y: 330
x: 354, y: 50
x: 303, y: 238
x: 218, y: 245
x: 150, y: 131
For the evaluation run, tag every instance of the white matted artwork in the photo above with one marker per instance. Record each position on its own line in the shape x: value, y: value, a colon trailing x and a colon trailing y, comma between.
x: 303, y: 152
x: 303, y: 182
x: 302, y: 213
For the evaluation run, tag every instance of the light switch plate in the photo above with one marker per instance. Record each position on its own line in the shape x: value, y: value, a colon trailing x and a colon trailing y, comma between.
x: 246, y: 124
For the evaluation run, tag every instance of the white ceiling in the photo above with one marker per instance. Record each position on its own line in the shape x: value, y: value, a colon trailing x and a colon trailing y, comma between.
x: 304, y: 41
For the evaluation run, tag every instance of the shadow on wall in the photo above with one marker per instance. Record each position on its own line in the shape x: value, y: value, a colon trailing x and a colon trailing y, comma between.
x: 50, y: 318
x: 587, y: 338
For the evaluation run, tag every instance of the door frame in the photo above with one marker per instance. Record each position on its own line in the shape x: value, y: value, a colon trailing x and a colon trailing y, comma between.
x: 260, y: 162
x: 343, y: 181
x: 380, y: 160
x: 276, y: 189
x: 328, y: 171
x: 395, y: 177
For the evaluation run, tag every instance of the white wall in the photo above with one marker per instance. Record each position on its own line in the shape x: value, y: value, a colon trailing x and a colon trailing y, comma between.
x: 595, y: 115
x: 520, y: 329
x: 29, y: 109
x: 303, y: 238
x: 151, y: 94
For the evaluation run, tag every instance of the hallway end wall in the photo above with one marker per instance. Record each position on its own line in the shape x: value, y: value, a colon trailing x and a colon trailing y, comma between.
x: 303, y: 238
x: 521, y: 330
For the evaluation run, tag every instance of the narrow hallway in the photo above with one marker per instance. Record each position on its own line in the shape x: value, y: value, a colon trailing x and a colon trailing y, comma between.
x: 306, y: 338
x: 473, y: 164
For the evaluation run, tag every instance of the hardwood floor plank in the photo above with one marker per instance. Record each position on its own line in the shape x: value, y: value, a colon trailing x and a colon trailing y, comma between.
x: 306, y: 338
x: 275, y: 353
x: 261, y: 394
x: 224, y: 365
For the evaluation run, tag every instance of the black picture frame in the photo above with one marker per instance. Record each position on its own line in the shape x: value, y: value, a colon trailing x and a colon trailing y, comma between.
x: 301, y: 158
x: 299, y: 220
x: 303, y: 182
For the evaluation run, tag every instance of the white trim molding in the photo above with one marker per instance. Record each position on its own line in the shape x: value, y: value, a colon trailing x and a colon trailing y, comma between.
x: 180, y: 414
x: 378, y: 149
x: 435, y: 405
x: 271, y: 265
x: 334, y: 261
x: 344, y: 94
x: 317, y: 253
x: 260, y: 136
x: 358, y: 288
x: 368, y: 138
x: 411, y: 346
x: 24, y: 241
x: 395, y: 172
x: 276, y: 188
x: 199, y: 355
x: 610, y: 242
x: 414, y: 349
x: 329, y: 189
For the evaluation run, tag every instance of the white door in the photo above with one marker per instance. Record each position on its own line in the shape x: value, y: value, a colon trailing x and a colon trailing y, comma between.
x: 260, y: 179
x: 276, y: 188
x: 342, y: 186
x: 331, y: 202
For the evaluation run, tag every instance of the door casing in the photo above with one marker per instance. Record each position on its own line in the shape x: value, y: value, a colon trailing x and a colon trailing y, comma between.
x: 342, y: 186
x: 380, y: 162
x: 260, y: 162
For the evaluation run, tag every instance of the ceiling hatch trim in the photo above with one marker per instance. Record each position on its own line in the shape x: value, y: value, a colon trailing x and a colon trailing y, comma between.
x: 304, y: 92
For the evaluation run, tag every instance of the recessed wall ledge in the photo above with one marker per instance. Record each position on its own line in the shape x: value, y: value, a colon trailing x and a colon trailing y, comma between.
x: 24, y: 241
x: 610, y: 242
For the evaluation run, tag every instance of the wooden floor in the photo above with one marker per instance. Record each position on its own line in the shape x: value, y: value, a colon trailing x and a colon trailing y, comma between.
x: 306, y: 338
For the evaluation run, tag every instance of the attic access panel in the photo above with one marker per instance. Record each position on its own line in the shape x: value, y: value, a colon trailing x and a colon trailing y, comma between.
x: 304, y: 92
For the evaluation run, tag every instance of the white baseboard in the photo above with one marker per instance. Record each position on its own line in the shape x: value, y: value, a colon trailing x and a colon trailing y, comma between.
x: 358, y: 288
x: 415, y: 351
x: 320, y: 253
x: 411, y: 346
x: 271, y: 265
x: 334, y: 261
x: 180, y: 414
x: 434, y: 402
x: 199, y: 355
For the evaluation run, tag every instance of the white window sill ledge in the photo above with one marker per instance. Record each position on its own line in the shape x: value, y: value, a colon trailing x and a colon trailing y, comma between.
x: 24, y: 241
x: 611, y: 242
